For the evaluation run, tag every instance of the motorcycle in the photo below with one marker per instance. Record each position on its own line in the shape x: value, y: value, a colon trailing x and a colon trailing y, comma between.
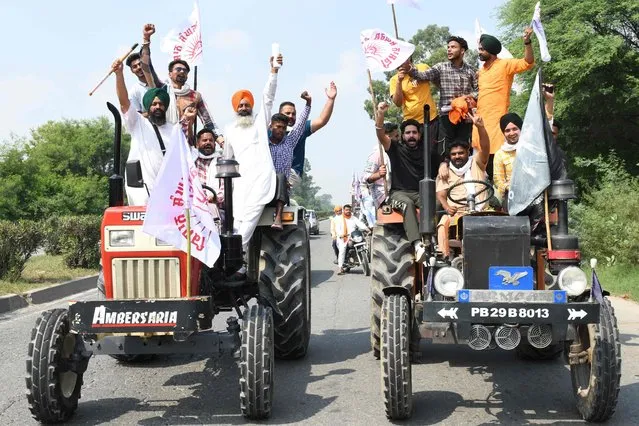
x: 357, y: 253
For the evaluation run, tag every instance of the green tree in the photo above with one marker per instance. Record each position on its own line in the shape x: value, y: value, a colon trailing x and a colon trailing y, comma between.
x: 61, y: 169
x: 595, y: 63
x: 306, y: 192
x: 430, y: 48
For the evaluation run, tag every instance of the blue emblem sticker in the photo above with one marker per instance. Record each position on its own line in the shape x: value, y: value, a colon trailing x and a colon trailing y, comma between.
x: 463, y: 296
x: 510, y: 278
x: 560, y: 296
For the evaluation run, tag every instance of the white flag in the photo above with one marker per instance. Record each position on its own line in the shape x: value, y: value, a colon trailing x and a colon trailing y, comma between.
x: 177, y: 188
x: 383, y: 52
x: 411, y: 3
x: 531, y: 172
x: 539, y: 32
x: 185, y: 41
x: 504, y: 54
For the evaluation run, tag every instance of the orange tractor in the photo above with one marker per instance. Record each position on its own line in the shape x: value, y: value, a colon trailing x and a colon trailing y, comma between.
x: 146, y: 306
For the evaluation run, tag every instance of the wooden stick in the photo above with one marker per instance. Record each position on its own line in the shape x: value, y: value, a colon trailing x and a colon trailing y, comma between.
x: 379, y: 145
x: 395, y: 21
x: 547, y: 219
x: 126, y: 55
x: 188, y: 252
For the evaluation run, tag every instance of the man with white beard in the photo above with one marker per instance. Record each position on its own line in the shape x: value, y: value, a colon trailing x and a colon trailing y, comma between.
x: 246, y: 139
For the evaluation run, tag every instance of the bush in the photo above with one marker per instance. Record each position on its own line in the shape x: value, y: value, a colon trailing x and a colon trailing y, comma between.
x: 51, y: 228
x: 18, y: 241
x: 607, y: 219
x: 79, y: 239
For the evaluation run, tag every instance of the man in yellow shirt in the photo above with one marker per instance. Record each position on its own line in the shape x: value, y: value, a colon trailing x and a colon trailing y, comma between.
x: 411, y: 98
x: 495, y: 80
x: 510, y: 124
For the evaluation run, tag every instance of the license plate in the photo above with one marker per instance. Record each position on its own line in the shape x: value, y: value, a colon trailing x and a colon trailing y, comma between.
x: 511, y: 296
x: 510, y: 278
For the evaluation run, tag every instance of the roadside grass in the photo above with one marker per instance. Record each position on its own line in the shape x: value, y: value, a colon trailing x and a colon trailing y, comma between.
x: 42, y: 271
x: 619, y: 280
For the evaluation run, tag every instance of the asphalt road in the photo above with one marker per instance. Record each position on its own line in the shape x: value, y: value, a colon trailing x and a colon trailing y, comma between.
x: 338, y: 382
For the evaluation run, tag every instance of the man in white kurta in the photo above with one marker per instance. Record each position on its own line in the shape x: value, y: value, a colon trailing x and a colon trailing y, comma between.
x: 146, y: 144
x: 247, y: 140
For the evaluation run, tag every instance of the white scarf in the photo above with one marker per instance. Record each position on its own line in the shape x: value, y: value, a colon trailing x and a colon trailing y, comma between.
x: 172, y: 113
x: 207, y: 157
x: 509, y: 147
x: 466, y: 172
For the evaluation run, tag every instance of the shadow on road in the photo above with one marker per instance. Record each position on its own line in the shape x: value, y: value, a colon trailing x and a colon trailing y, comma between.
x: 213, y: 394
x: 522, y: 392
x: 320, y: 276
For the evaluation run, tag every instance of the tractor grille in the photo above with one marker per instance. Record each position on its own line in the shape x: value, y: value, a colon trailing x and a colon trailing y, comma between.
x: 151, y: 277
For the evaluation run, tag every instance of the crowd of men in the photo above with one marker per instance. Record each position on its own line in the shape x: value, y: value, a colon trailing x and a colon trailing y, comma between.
x: 473, y: 136
x: 269, y: 148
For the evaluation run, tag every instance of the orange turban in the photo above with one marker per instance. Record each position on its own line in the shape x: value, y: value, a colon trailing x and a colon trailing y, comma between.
x: 239, y: 95
x: 459, y: 110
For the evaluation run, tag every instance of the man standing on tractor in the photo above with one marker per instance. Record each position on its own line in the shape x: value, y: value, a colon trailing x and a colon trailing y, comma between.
x: 344, y: 225
x: 495, y: 81
x: 510, y: 125
x: 407, y: 163
x: 310, y: 126
x: 247, y: 141
x: 464, y: 168
x: 148, y: 135
x: 206, y: 156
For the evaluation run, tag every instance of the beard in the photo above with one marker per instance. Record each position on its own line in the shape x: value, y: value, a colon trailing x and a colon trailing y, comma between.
x: 411, y: 142
x: 244, y: 121
x: 157, y: 117
x: 459, y: 163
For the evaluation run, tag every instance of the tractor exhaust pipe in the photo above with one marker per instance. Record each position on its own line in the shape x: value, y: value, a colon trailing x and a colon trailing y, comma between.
x: 116, y: 181
x: 427, y: 184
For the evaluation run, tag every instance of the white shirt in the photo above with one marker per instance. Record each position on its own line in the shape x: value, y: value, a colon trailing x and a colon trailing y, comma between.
x: 145, y: 147
x: 256, y: 185
x: 136, y: 94
x: 352, y: 223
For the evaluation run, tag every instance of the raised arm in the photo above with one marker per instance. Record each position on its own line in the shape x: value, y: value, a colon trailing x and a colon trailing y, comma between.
x: 325, y: 115
x: 207, y: 119
x: 120, y: 86
x: 268, y: 96
x: 298, y: 130
x: 382, y: 137
x: 431, y: 74
x: 483, y: 154
x: 529, y: 56
x: 150, y: 75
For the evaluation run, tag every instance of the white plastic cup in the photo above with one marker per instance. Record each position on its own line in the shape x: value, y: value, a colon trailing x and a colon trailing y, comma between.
x: 275, y: 52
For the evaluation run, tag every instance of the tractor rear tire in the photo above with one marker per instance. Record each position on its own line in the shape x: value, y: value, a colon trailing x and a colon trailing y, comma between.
x: 395, y: 357
x: 52, y: 393
x: 596, y: 383
x: 285, y: 284
x: 393, y: 265
x: 256, y: 363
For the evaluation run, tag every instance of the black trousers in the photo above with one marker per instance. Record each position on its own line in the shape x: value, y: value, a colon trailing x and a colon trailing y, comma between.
x: 449, y: 132
x: 281, y: 190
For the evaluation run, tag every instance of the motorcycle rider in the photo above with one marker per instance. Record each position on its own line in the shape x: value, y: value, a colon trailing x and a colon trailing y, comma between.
x: 343, y: 229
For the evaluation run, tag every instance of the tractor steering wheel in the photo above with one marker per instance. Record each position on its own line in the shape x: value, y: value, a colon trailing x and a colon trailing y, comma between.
x: 487, y: 187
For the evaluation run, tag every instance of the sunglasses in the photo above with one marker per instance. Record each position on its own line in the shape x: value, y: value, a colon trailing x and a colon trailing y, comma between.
x: 180, y: 69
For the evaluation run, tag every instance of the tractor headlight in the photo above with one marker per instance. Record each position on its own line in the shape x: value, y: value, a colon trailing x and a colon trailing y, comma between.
x: 448, y: 281
x: 573, y: 280
x: 122, y: 238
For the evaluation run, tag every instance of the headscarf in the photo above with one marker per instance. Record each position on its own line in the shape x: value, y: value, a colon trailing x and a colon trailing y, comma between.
x: 239, y: 95
x: 337, y: 208
x: 511, y: 117
x: 156, y: 92
x: 459, y: 110
x: 490, y: 44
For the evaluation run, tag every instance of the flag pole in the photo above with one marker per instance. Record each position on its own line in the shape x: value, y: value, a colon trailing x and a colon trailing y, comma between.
x: 195, y: 121
x: 379, y: 145
x: 395, y: 21
x: 188, y: 252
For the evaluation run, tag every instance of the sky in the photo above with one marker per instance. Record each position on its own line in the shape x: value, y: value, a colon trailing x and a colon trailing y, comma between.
x: 60, y: 50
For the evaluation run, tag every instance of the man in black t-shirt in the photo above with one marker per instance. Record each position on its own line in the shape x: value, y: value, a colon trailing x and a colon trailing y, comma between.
x: 407, y: 163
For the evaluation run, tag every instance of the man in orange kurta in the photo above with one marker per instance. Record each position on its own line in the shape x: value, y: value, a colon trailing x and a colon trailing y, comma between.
x: 495, y: 82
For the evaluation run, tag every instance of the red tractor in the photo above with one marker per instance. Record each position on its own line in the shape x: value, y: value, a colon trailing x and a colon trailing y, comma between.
x: 146, y: 305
